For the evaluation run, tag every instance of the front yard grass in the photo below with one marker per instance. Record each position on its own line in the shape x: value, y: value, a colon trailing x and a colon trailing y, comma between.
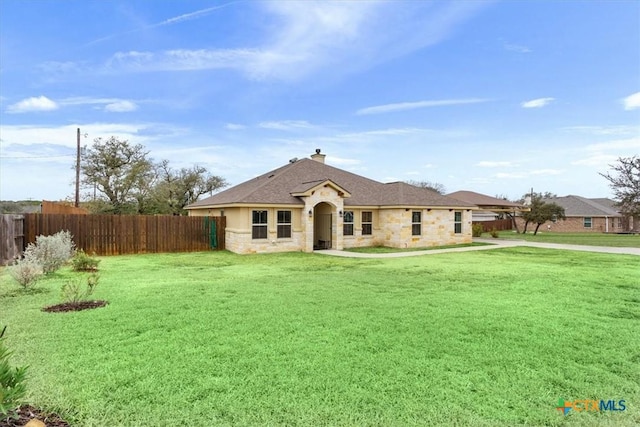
x: 387, y: 250
x: 589, y: 239
x: 486, y: 338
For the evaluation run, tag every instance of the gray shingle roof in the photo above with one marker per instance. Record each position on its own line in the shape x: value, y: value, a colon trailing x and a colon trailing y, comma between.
x: 276, y: 186
x: 581, y: 206
x: 482, y: 200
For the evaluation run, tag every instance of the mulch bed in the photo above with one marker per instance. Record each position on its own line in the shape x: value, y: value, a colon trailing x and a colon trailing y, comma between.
x: 75, y: 306
x: 28, y: 412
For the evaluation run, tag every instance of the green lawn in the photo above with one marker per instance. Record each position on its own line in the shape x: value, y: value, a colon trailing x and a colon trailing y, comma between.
x: 386, y: 250
x: 487, y: 338
x: 590, y: 239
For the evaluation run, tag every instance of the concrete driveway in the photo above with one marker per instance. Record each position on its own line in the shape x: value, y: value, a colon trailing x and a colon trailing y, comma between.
x: 493, y: 244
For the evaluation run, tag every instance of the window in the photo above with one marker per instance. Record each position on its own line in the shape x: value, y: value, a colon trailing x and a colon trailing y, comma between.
x: 259, y: 225
x: 367, y: 220
x: 457, y: 222
x: 416, y: 223
x: 587, y: 222
x: 347, y: 228
x: 284, y: 224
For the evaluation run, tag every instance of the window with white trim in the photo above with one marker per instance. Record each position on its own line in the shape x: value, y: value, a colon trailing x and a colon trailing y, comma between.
x: 259, y: 225
x: 347, y: 227
x: 587, y: 222
x: 367, y: 223
x: 457, y: 222
x: 416, y: 223
x: 284, y: 224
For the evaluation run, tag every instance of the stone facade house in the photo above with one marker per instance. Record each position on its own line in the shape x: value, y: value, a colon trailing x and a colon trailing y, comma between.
x: 308, y: 205
x: 585, y: 215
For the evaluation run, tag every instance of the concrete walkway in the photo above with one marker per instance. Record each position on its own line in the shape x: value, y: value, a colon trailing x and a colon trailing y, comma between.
x: 493, y: 244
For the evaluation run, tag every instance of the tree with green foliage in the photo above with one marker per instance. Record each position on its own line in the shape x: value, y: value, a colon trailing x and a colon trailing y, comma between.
x: 176, y: 189
x: 119, y: 171
x: 541, y: 212
x: 625, y: 183
x: 129, y: 182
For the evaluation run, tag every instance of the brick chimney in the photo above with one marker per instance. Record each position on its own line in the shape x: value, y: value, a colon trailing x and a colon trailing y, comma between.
x: 318, y: 157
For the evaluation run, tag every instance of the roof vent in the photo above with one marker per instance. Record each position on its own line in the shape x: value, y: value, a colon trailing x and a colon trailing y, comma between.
x: 295, y: 159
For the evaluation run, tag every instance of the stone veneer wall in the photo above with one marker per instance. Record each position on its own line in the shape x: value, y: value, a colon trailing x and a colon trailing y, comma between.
x: 437, y: 228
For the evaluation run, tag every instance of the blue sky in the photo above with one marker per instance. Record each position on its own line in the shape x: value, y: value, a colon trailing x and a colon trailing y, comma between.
x: 494, y: 97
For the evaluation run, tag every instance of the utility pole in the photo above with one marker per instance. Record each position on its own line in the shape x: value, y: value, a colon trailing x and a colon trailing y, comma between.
x: 77, y: 204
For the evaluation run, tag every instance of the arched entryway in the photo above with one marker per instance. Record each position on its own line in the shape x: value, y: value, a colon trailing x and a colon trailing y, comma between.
x: 323, y: 235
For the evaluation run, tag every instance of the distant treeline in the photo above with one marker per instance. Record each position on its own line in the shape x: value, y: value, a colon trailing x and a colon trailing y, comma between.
x: 21, y: 206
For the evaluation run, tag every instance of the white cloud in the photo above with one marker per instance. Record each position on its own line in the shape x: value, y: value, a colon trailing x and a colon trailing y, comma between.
x: 490, y: 164
x: 605, y: 130
x: 629, y: 144
x: 537, y: 103
x: 632, y: 101
x: 39, y: 103
x: 234, y: 126
x: 547, y: 172
x: 402, y: 106
x: 342, y: 161
x: 306, y: 37
x: 120, y: 107
x: 510, y: 175
x: 598, y: 160
x: 286, y: 125
x: 66, y: 136
x: 516, y: 48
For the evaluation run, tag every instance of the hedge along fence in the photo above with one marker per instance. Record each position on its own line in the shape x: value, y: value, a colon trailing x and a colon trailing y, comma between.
x: 130, y: 234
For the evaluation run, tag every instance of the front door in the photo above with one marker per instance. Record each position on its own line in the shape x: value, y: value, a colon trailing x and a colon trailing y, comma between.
x: 322, y: 231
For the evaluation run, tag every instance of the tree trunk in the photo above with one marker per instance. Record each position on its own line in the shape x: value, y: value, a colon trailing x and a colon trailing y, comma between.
x: 526, y: 223
x: 514, y: 223
x: 537, y: 226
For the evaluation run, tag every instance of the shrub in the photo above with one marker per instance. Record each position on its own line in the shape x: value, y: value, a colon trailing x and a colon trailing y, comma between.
x: 494, y: 233
x: 12, y: 382
x: 476, y: 230
x: 73, y: 291
x: 26, y: 271
x: 51, y: 252
x: 83, y: 262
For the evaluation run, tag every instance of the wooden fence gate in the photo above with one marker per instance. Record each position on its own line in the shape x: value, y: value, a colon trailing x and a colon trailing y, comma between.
x: 11, y: 237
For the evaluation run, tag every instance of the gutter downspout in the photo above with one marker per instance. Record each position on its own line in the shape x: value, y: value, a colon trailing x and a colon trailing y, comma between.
x: 606, y: 224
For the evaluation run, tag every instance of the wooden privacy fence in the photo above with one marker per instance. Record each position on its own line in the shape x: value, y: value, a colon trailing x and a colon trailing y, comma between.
x: 130, y: 234
x: 11, y: 237
x: 498, y: 224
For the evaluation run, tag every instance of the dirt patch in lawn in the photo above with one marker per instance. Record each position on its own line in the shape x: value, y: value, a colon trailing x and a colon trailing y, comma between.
x: 27, y: 413
x: 75, y: 306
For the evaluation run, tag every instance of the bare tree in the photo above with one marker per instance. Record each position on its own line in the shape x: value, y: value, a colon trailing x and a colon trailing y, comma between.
x: 625, y: 183
x: 435, y: 186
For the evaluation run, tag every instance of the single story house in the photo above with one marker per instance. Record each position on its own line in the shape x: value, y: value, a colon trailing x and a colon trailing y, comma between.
x: 307, y: 205
x: 488, y: 208
x: 585, y: 215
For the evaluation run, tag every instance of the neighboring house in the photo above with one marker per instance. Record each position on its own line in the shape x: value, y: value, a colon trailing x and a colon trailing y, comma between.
x: 585, y: 215
x: 307, y: 205
x: 487, y: 208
